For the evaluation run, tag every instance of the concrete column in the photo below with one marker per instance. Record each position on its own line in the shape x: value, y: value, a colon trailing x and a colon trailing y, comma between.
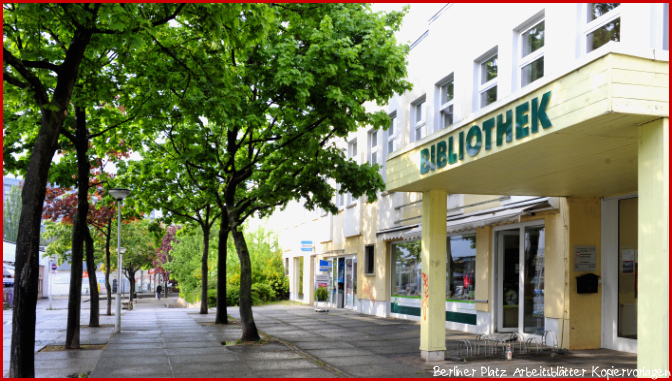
x: 433, y: 308
x: 653, y: 280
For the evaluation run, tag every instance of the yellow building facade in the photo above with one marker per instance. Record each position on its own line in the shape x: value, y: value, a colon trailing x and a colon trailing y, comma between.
x: 539, y: 208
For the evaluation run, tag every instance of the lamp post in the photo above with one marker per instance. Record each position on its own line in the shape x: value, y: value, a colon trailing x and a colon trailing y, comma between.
x: 119, y: 194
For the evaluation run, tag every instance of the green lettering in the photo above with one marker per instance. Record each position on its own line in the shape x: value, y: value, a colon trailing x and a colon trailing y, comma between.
x: 452, y: 157
x: 473, y: 149
x: 441, y: 158
x: 461, y: 145
x: 521, y: 120
x: 424, y: 161
x: 505, y: 128
x: 432, y: 158
x: 539, y: 113
x: 488, y: 125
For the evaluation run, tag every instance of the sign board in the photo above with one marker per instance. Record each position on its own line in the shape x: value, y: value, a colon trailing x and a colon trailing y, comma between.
x: 53, y: 266
x: 322, y: 280
x: 306, y: 245
x: 325, y: 266
x: 585, y: 258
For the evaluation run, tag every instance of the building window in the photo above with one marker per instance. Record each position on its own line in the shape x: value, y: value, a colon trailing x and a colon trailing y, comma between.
x: 373, y: 148
x: 666, y: 26
x: 352, y: 150
x: 419, y: 116
x: 287, y: 266
x: 460, y: 268
x: 446, y: 101
x: 392, y: 134
x: 487, y: 74
x: 352, y: 154
x: 369, y: 256
x: 532, y: 53
x: 603, y: 24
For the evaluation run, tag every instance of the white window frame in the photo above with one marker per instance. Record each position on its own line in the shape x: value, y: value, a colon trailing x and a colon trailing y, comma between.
x: 664, y: 34
x: 442, y: 88
x: 593, y: 25
x: 530, y: 58
x: 353, y: 153
x: 392, y: 133
x: 419, y: 107
x: 483, y: 87
x: 374, y: 148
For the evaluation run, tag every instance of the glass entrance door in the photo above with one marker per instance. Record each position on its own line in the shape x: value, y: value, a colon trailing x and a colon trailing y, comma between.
x: 508, y: 249
x: 520, y: 280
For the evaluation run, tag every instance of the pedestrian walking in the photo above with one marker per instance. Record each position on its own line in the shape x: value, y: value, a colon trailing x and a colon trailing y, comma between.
x: 158, y: 291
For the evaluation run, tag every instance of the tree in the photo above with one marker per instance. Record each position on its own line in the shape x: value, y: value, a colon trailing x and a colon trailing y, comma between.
x: 265, y: 111
x: 183, y: 196
x: 11, y: 211
x: 42, y: 72
x: 140, y: 249
x: 163, y: 256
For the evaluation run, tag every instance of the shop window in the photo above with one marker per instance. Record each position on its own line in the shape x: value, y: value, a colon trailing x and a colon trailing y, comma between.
x: 392, y: 134
x: 369, y: 256
x: 460, y: 280
x: 419, y: 118
x: 487, y: 80
x: 406, y: 269
x: 445, y: 103
x: 603, y: 24
x: 532, y: 41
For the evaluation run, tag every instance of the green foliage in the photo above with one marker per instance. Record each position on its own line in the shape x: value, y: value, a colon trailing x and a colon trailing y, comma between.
x: 264, y: 291
x: 185, y: 266
x: 321, y: 294
x: 11, y: 211
x: 268, y: 275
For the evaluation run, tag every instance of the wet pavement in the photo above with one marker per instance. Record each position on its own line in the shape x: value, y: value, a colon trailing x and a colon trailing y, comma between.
x: 299, y: 342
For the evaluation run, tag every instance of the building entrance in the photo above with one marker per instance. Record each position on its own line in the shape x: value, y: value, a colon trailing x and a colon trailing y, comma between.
x: 343, y: 293
x: 620, y: 270
x: 520, y: 279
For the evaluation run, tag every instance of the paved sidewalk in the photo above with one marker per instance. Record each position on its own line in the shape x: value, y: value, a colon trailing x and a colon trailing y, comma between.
x: 176, y: 342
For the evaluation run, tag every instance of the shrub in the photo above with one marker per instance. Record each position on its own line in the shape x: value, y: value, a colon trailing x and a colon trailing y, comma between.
x: 280, y: 286
x: 264, y: 291
x: 232, y: 294
x: 321, y: 294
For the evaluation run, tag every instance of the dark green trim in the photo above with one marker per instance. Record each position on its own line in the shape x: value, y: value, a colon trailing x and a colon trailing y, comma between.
x: 455, y: 317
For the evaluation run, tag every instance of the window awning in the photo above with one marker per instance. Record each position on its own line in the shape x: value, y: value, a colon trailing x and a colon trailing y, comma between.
x: 471, y: 221
x: 394, y: 233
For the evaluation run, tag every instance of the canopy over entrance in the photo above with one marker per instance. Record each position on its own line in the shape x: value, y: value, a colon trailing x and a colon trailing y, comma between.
x: 574, y: 135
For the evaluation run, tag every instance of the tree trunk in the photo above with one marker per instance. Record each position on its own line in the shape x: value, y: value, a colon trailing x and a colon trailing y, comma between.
x: 130, y: 275
x: 204, y: 269
x: 27, y: 267
x: 75, y: 294
x: 80, y: 230
x: 107, y: 267
x: 246, y: 318
x: 94, y: 320
x: 22, y: 355
x: 222, y: 314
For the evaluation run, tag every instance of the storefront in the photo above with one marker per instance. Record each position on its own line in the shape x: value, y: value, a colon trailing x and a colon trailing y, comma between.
x: 593, y: 145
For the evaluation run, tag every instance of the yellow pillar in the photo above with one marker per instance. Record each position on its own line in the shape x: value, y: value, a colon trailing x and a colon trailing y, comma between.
x: 653, y: 281
x: 433, y: 307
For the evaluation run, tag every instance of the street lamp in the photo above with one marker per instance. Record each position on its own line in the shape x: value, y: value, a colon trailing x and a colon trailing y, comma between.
x: 119, y: 194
